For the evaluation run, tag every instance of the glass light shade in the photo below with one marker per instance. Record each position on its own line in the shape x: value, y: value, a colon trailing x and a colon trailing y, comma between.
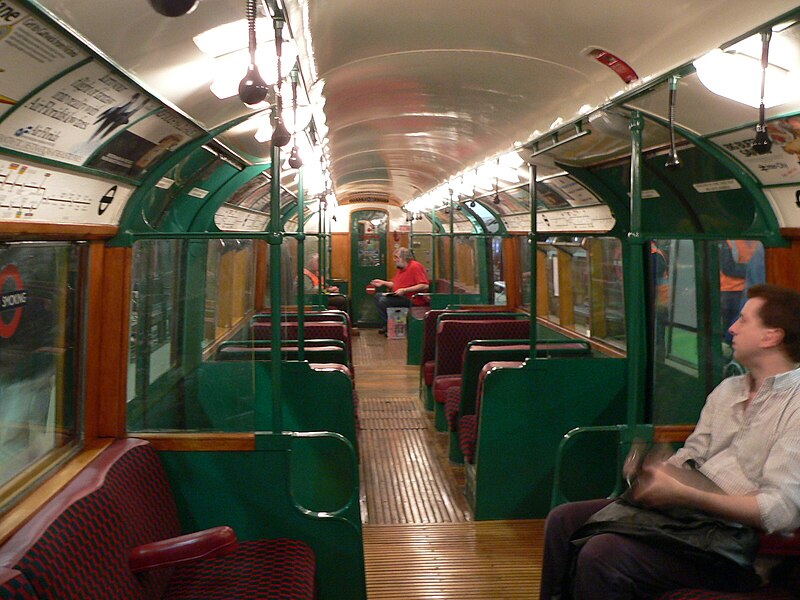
x: 264, y: 131
x: 737, y: 77
x: 231, y: 68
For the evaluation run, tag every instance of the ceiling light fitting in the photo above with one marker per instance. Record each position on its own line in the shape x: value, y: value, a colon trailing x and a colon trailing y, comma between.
x: 252, y: 89
x: 280, y: 135
x: 174, y: 8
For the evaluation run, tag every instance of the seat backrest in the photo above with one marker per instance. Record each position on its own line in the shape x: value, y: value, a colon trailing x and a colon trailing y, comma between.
x: 452, y: 337
x: 320, y: 354
x: 488, y: 368
x: 77, y: 545
x: 433, y: 316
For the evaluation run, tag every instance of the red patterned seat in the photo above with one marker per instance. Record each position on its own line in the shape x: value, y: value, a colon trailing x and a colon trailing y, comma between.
x: 240, y: 575
x: 468, y: 436
x: 442, y: 384
x: 452, y: 405
x: 78, y: 546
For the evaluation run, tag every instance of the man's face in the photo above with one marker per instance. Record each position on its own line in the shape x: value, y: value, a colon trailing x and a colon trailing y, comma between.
x: 748, y: 331
x: 399, y: 262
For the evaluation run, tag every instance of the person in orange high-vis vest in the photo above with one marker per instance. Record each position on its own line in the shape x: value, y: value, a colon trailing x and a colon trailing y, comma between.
x: 660, y: 283
x: 733, y: 258
x: 313, y: 281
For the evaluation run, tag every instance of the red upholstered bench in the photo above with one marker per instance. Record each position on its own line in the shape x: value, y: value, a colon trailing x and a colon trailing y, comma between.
x: 429, y: 333
x: 452, y: 338
x: 113, y: 533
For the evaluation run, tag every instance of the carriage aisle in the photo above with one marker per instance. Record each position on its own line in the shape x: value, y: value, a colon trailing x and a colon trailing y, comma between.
x: 419, y: 537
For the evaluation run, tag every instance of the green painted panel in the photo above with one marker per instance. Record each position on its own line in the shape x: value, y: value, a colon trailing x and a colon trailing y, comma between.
x: 257, y: 494
x: 524, y: 414
x: 236, y: 396
x: 672, y: 206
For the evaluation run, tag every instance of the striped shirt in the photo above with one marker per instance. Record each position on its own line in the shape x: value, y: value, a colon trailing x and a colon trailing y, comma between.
x: 753, y: 452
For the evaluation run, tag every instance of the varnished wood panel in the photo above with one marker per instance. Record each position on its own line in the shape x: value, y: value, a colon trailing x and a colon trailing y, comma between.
x: 55, y: 231
x: 340, y: 256
x: 195, y: 442
x: 115, y: 332
x: 783, y: 264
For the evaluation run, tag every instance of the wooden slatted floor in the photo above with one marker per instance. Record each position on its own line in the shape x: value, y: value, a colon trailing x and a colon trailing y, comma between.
x: 419, y: 539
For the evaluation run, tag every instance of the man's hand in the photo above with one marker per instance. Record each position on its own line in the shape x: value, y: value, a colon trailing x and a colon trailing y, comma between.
x: 657, y: 487
x: 399, y: 291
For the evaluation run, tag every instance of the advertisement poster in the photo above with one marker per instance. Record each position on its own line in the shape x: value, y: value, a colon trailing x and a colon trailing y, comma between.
x: 34, y: 193
x: 135, y: 150
x: 71, y: 118
x: 781, y: 164
x: 30, y: 53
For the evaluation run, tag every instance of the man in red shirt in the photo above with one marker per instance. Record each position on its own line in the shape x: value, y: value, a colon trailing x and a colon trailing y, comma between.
x: 409, y: 279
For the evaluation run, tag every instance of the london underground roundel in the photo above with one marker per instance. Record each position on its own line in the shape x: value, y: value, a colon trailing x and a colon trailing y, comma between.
x: 13, y: 298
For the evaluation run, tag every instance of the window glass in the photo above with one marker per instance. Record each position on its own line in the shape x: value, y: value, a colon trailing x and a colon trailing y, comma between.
x: 581, y: 285
x: 525, y: 270
x: 607, y: 294
x: 40, y: 365
x: 499, y: 292
x: 467, y: 265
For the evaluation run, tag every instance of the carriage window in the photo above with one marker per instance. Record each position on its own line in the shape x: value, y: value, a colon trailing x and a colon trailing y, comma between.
x: 230, y: 276
x: 580, y: 286
x: 606, y: 295
x: 460, y: 262
x: 40, y: 365
x: 157, y: 303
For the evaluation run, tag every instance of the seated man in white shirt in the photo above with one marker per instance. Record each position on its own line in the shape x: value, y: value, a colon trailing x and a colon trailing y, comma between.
x: 746, y: 442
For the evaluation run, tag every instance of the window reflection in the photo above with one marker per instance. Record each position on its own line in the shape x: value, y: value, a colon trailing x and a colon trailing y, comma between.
x: 40, y: 366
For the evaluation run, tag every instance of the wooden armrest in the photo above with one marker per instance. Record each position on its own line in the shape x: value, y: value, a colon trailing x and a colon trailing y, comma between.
x: 200, y: 545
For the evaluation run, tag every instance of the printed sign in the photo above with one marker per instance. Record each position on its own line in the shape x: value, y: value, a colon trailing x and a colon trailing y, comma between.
x: 230, y: 218
x: 781, y: 164
x: 33, y: 193
x: 30, y: 53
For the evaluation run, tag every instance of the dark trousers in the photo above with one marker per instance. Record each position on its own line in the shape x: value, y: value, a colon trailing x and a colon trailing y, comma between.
x: 611, y: 566
x: 384, y: 301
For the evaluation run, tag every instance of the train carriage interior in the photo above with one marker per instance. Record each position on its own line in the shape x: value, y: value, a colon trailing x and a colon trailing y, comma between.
x: 199, y: 395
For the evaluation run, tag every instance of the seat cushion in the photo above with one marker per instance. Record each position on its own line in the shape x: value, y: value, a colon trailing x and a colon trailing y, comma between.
x: 279, y: 568
x: 468, y: 436
x: 452, y: 406
x: 443, y: 383
x: 428, y: 369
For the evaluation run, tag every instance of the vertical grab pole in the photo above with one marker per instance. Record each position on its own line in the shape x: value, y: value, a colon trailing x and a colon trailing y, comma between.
x: 635, y: 287
x: 301, y: 261
x: 533, y: 276
x: 434, y: 252
x: 452, y: 247
x: 275, y: 239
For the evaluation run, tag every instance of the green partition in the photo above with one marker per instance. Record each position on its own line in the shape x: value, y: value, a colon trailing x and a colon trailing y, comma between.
x: 236, y: 396
x: 298, y: 486
x: 524, y: 414
x: 439, y: 301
